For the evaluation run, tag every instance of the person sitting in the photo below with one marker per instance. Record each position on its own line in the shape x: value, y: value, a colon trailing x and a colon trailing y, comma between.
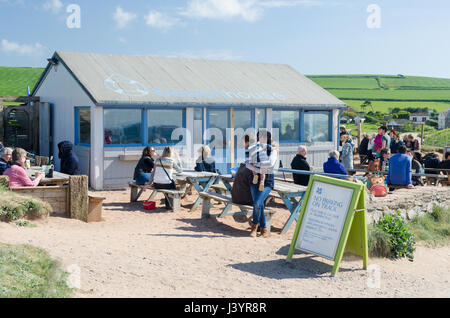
x: 240, y: 192
x: 415, y: 165
x: 412, y: 144
x: 5, y: 159
x: 446, y: 162
x: 347, y: 152
x: 333, y: 165
x: 400, y: 169
x: 163, y: 171
x: 144, y: 168
x: 17, y: 174
x: 432, y: 162
x: 396, y: 142
x: 384, y: 159
x: 299, y: 163
x: 69, y: 161
x: 204, y: 161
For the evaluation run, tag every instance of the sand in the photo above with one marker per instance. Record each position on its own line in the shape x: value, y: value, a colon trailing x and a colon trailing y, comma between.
x: 163, y: 254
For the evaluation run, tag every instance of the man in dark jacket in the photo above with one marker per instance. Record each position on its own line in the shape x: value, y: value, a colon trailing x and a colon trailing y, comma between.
x: 299, y: 163
x: 5, y: 159
x: 69, y: 161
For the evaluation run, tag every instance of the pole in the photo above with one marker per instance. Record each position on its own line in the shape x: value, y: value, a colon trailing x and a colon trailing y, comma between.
x: 422, y: 137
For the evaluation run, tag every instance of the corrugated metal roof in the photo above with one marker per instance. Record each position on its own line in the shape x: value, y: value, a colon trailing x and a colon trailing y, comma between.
x: 126, y: 79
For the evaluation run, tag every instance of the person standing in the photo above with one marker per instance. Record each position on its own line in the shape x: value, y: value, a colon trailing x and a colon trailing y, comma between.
x: 396, y: 142
x: 144, y: 168
x: 299, y: 163
x: 5, y: 159
x: 69, y: 161
x: 347, y: 152
x: 259, y: 197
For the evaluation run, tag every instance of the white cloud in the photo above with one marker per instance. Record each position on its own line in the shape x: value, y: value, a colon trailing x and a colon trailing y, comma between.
x: 289, y: 3
x: 35, y: 50
x: 123, y: 18
x: 159, y: 20
x: 54, y: 6
x: 223, y: 9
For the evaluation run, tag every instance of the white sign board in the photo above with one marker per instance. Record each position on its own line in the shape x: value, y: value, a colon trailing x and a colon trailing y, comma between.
x: 324, y: 219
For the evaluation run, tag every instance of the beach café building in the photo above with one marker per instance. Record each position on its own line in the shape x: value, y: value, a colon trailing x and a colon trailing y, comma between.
x: 112, y: 106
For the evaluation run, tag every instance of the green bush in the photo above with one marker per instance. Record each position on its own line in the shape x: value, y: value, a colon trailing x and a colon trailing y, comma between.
x: 433, y: 228
x: 401, y: 239
x: 379, y: 242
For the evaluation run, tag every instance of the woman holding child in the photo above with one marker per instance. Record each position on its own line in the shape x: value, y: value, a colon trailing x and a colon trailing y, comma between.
x: 263, y: 157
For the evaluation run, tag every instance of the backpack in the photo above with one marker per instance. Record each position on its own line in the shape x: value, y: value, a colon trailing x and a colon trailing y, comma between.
x: 376, y: 185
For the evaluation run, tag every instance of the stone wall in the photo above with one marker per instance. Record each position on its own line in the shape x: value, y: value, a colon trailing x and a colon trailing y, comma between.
x: 410, y: 202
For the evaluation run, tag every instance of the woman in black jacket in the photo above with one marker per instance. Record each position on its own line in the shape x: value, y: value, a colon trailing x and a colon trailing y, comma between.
x: 144, y: 168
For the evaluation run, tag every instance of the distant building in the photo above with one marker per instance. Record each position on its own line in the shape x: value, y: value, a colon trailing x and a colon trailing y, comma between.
x: 419, y: 118
x: 397, y: 123
x: 444, y: 119
x: 346, y: 120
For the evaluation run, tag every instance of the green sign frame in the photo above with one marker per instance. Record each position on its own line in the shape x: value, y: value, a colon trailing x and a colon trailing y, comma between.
x: 354, y: 236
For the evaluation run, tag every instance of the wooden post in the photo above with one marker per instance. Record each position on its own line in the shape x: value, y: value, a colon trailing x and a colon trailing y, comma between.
x: 359, y: 133
x: 4, y: 181
x: 79, y: 199
x: 422, y: 137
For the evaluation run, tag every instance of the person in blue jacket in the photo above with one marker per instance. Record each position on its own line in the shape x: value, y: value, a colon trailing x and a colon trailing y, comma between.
x: 69, y: 161
x: 400, y: 172
x: 333, y: 165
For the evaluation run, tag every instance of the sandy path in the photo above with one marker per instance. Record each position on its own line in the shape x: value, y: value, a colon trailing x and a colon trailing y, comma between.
x: 161, y: 254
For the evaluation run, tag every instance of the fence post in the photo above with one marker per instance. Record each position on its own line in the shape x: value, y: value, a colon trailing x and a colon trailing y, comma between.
x: 78, y: 198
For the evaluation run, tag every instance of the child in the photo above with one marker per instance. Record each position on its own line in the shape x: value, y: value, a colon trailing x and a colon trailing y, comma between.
x: 259, y: 160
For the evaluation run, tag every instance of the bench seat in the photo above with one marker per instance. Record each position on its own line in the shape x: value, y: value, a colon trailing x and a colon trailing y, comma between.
x: 173, y: 196
x: 246, y: 210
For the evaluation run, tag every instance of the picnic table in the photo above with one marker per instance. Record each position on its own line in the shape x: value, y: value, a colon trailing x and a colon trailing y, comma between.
x: 428, y: 176
x: 291, y: 194
x: 201, y: 181
x: 58, y: 177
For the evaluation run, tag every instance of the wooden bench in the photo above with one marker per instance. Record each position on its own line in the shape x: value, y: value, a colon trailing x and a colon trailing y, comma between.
x: 173, y: 196
x: 246, y: 210
x: 95, y: 207
x: 222, y: 189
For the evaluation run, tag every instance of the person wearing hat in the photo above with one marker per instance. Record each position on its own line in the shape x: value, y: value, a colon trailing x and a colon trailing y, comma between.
x: 396, y: 142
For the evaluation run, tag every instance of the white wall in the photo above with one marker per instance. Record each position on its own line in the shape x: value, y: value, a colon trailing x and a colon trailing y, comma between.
x: 63, y: 91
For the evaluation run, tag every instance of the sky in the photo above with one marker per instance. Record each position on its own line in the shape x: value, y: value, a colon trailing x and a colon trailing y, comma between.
x: 409, y: 37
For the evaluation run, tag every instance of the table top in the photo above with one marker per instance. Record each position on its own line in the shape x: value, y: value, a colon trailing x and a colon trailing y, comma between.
x: 58, y: 177
x: 414, y: 174
x: 280, y: 186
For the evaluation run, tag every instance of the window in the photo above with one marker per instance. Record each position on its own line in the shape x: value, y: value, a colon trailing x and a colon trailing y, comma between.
x: 317, y: 126
x: 83, y: 126
x: 162, y: 124
x: 198, y: 126
x: 288, y: 124
x: 260, y: 118
x: 122, y: 126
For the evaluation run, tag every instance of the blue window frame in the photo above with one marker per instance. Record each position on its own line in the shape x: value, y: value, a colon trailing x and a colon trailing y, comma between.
x: 123, y: 127
x: 199, y: 131
x: 83, y: 126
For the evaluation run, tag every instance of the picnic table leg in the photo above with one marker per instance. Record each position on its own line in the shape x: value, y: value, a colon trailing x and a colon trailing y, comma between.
x: 269, y: 222
x: 176, y: 204
x: 294, y: 209
x: 226, y: 210
x: 199, y: 189
x: 135, y: 194
x: 206, y: 206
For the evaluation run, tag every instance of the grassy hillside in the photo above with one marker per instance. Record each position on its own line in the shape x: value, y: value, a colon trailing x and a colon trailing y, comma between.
x: 14, y: 80
x: 388, y: 91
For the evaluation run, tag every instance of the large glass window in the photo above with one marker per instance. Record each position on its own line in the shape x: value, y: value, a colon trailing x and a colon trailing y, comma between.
x: 317, y: 126
x: 83, y: 135
x: 122, y: 126
x: 198, y: 126
x: 260, y: 118
x: 161, y: 126
x: 288, y: 124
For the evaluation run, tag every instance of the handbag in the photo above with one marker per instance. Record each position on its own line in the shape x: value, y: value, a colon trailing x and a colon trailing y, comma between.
x: 171, y: 180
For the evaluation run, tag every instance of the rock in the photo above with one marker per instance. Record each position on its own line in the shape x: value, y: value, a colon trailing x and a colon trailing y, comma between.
x: 411, y: 214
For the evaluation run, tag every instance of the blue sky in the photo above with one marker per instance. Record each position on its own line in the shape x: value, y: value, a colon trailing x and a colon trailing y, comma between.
x: 313, y: 36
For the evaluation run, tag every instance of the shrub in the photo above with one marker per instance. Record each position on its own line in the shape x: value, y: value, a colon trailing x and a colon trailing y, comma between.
x: 379, y: 242
x: 401, y: 239
x: 433, y: 228
x: 15, y: 206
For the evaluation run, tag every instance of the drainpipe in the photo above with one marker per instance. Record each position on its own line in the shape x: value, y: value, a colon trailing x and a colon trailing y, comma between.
x: 339, y: 126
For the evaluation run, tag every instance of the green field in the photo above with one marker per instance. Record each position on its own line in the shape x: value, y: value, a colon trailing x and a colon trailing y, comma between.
x: 388, y: 91
x: 14, y: 80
